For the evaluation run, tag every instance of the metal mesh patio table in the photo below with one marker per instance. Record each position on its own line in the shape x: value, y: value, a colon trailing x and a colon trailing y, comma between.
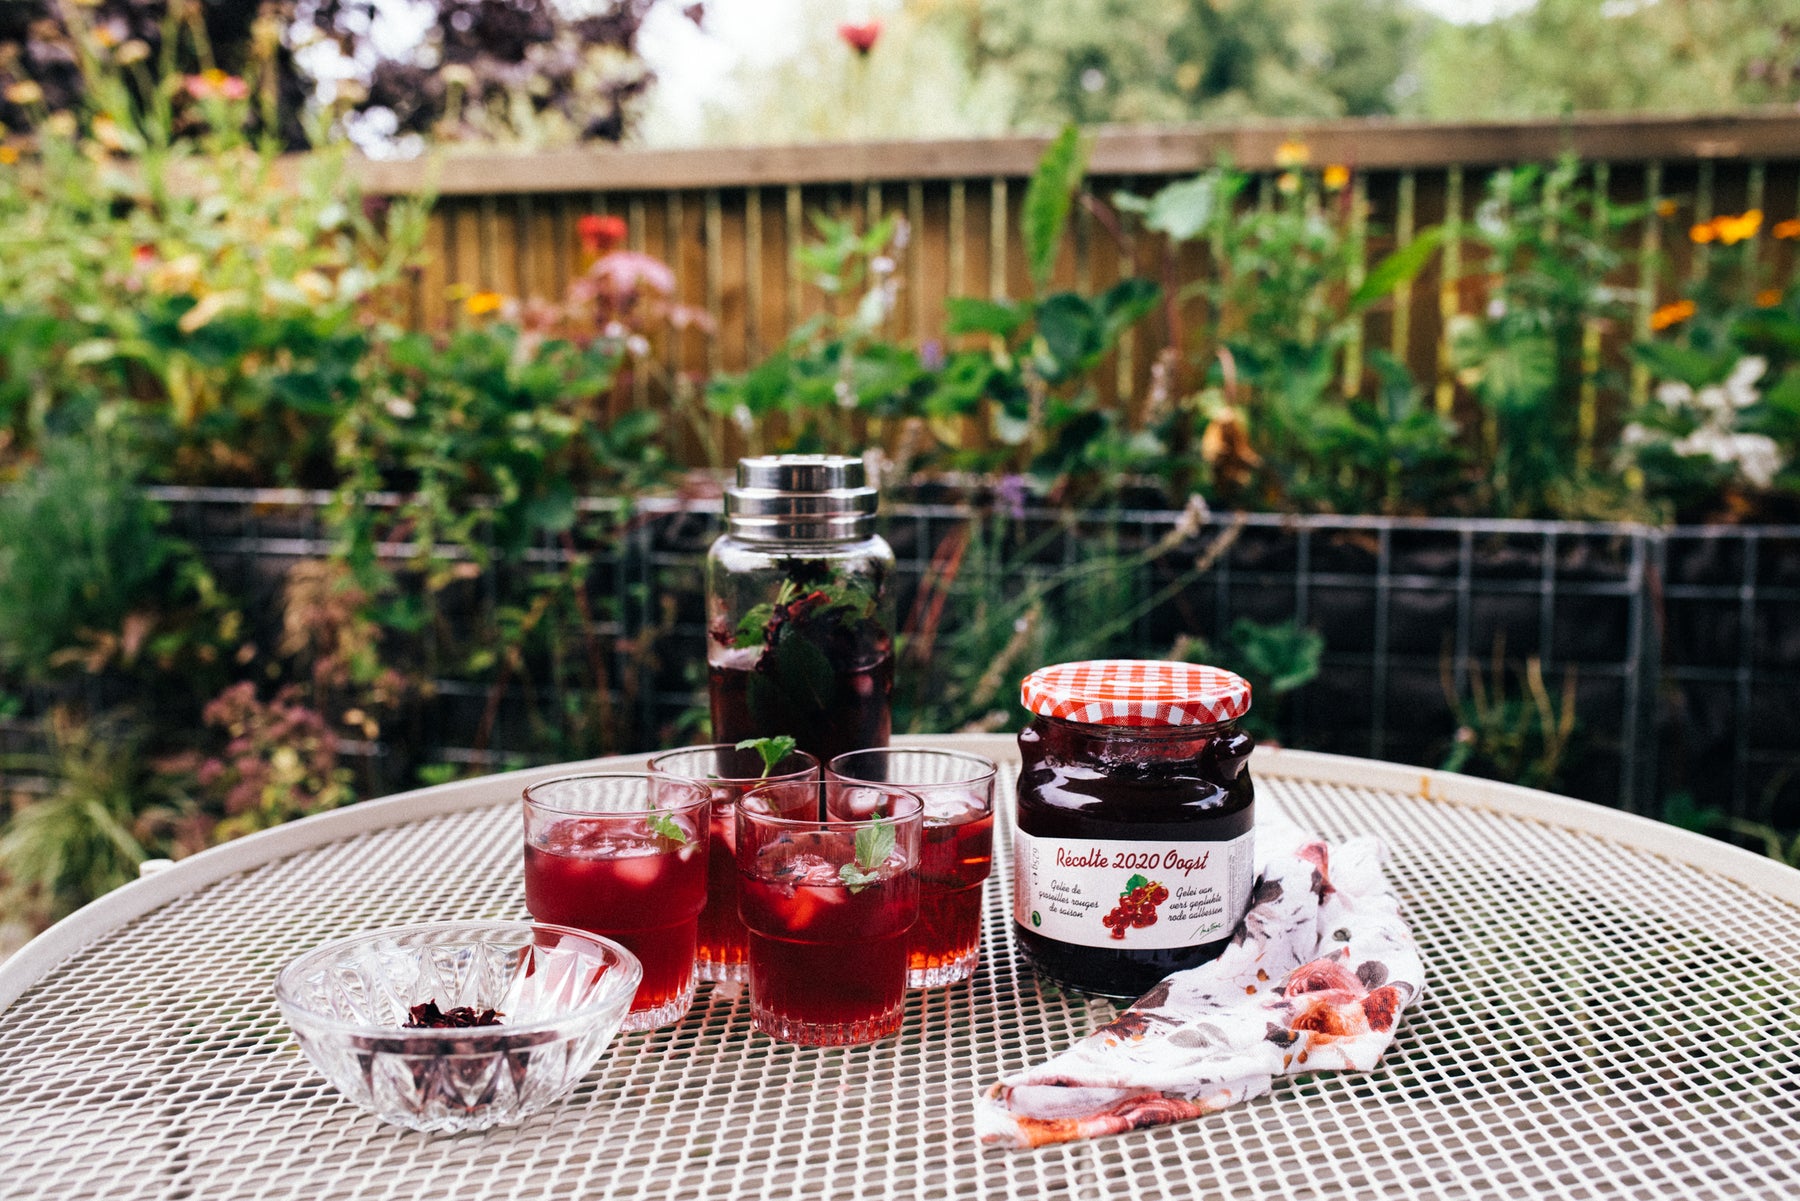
x: 1611, y: 1014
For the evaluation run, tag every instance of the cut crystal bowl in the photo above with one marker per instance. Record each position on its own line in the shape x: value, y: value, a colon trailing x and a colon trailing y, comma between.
x: 561, y: 994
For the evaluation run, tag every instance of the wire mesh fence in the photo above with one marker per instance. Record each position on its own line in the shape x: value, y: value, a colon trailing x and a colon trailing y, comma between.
x: 1618, y: 663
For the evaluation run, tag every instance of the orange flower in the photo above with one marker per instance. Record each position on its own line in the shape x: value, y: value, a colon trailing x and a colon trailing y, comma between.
x: 1787, y: 229
x: 1337, y: 176
x: 1768, y: 298
x: 1288, y: 183
x: 8, y: 155
x: 1291, y: 154
x: 1666, y: 208
x: 483, y: 303
x: 214, y: 84
x: 1671, y: 314
x: 1732, y: 230
x: 1703, y: 233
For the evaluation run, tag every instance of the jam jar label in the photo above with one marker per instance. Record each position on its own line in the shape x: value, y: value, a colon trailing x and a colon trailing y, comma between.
x: 1131, y: 894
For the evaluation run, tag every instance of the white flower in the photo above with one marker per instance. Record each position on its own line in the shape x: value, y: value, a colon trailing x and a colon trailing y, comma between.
x: 1713, y: 399
x: 615, y: 329
x: 1496, y: 309
x: 881, y: 265
x: 846, y: 396
x: 638, y: 346
x: 1740, y: 385
x: 902, y: 234
x: 1757, y: 457
x: 743, y: 418
x: 1636, y: 435
x: 400, y: 407
x: 1674, y: 396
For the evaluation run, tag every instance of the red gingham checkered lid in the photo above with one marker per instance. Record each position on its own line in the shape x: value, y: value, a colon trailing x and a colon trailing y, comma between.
x: 1136, y: 692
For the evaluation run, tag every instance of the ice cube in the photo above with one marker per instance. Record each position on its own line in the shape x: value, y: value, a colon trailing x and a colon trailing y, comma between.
x: 636, y: 863
x: 953, y: 808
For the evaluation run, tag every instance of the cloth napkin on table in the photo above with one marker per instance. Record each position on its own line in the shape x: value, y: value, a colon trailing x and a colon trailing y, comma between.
x: 1315, y: 978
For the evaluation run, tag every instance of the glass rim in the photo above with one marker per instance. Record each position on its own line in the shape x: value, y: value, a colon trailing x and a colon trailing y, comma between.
x: 702, y: 797
x: 899, y: 792
x: 287, y: 980
x: 792, y: 777
x: 990, y: 774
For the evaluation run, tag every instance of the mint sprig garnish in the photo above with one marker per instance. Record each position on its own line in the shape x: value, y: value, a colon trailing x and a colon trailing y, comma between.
x: 772, y: 750
x: 874, y: 843
x: 664, y: 826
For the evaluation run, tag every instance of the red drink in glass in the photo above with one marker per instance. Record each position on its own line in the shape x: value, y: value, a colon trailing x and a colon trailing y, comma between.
x: 957, y: 852
x: 829, y: 906
x: 722, y: 945
x: 954, y: 861
x: 624, y: 856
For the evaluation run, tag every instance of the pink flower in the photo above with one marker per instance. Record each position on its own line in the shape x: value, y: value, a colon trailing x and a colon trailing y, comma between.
x: 215, y: 84
x: 860, y: 38
x: 626, y: 272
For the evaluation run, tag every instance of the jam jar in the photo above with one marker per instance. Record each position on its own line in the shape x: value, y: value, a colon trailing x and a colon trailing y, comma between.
x: 799, y: 608
x: 1133, y: 835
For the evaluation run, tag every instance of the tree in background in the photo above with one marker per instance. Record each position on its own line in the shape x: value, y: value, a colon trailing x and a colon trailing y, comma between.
x: 1626, y: 55
x: 1129, y: 61
x: 496, y: 70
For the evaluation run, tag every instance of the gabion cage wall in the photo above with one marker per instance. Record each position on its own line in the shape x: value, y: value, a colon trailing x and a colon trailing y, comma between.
x: 1682, y: 645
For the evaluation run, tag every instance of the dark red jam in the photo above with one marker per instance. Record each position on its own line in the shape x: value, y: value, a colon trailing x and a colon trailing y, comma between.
x: 1133, y: 849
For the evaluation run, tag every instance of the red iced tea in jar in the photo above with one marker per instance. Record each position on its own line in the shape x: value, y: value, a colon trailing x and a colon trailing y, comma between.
x: 635, y: 876
x: 829, y: 906
x: 756, y: 701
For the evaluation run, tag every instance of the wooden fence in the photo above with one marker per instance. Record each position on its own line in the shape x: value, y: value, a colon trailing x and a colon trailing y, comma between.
x: 728, y: 220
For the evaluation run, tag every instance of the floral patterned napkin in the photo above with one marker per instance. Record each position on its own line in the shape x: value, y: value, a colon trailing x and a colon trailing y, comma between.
x: 1315, y: 978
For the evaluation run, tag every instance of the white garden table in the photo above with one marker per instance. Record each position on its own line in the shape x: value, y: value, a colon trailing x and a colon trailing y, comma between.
x: 1612, y: 1014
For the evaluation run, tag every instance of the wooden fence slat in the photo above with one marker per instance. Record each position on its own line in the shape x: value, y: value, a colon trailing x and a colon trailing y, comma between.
x: 996, y: 247
x: 1649, y: 250
x: 959, y: 233
x: 1450, y: 281
x: 1403, y: 236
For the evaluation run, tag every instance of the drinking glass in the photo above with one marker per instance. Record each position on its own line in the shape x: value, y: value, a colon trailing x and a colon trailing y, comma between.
x: 722, y: 948
x: 623, y: 854
x: 828, y: 905
x: 956, y: 854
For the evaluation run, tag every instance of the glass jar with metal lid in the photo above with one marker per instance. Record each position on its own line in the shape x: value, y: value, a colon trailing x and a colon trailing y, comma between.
x: 799, y: 616
x: 1133, y: 841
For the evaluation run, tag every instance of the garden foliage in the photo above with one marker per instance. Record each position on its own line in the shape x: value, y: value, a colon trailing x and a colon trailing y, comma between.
x: 180, y: 304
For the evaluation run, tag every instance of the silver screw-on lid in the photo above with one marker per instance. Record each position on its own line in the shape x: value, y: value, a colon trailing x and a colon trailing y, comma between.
x: 800, y: 498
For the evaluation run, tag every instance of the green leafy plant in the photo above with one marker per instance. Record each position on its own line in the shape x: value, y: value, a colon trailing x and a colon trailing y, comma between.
x: 1030, y: 398
x: 874, y: 843
x: 837, y: 366
x: 770, y: 750
x: 1523, y: 737
x: 1276, y: 659
x: 1282, y: 304
x: 81, y: 838
x: 88, y: 578
x: 1554, y: 245
x: 164, y: 268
